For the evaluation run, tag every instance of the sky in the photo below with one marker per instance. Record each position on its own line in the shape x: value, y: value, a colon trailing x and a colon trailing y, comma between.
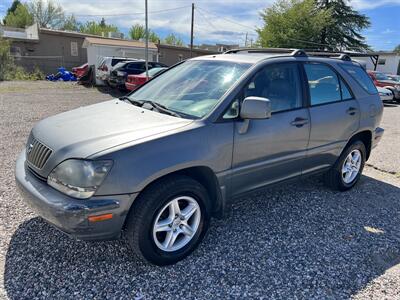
x: 220, y: 21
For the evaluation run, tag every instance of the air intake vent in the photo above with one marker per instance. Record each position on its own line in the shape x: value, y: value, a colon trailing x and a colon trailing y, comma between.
x: 37, y: 154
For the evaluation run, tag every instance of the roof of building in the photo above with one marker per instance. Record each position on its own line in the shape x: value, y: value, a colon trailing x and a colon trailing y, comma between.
x: 197, y: 50
x: 117, y: 42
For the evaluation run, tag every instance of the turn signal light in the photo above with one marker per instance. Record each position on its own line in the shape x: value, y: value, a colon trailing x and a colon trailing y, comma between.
x: 100, y: 218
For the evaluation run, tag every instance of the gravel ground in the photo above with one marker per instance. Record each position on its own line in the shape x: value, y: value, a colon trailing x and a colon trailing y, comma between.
x: 295, y: 241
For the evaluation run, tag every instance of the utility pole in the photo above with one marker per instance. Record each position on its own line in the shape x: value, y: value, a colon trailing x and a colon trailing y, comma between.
x: 147, y: 39
x: 191, y: 32
x: 245, y: 42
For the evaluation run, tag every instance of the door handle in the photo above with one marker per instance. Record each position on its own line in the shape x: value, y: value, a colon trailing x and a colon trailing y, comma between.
x: 351, y: 111
x: 299, y: 122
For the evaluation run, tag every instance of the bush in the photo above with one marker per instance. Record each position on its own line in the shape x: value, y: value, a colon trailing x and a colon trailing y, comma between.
x: 10, y: 71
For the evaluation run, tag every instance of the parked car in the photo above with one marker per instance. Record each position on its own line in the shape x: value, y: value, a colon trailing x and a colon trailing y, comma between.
x: 385, y: 94
x: 135, y: 81
x: 382, y: 80
x: 106, y: 66
x: 80, y: 71
x: 162, y: 161
x: 394, y: 77
x: 121, y: 71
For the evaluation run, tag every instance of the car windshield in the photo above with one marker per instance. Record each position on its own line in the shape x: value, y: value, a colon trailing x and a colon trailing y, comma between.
x: 192, y: 88
x: 381, y: 76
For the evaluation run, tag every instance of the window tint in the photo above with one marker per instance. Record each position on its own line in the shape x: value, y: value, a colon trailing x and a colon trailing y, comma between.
x: 323, y: 84
x: 346, y: 95
x: 114, y: 61
x: 361, y: 77
x: 280, y: 84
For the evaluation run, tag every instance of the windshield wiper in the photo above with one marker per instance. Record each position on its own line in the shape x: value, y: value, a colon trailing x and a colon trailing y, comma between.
x: 161, y: 108
x: 132, y: 101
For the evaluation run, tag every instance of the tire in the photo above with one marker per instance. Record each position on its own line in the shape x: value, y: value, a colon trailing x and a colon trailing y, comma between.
x: 157, y: 203
x: 336, y: 179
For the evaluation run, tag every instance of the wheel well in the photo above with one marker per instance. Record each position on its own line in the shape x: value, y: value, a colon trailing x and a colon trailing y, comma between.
x: 207, y: 178
x: 366, y: 138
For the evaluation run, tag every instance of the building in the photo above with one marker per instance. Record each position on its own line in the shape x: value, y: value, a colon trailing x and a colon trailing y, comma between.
x: 218, y: 47
x: 170, y: 55
x: 386, y: 62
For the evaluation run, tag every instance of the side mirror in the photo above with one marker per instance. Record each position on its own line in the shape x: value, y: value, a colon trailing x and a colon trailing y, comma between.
x: 255, y: 108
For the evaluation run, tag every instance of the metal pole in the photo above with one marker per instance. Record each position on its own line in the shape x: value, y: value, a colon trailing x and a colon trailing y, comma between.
x: 147, y: 39
x: 191, y: 32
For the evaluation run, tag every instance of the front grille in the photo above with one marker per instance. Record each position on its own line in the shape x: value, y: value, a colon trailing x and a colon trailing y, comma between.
x: 37, y: 154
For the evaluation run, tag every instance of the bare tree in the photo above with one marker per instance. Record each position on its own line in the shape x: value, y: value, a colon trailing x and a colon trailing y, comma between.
x: 47, y: 14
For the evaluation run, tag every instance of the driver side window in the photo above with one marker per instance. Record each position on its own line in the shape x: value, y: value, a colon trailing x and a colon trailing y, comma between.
x: 280, y: 84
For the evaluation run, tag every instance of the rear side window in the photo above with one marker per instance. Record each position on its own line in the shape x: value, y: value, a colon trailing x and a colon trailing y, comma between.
x: 323, y: 84
x: 114, y: 61
x: 361, y: 77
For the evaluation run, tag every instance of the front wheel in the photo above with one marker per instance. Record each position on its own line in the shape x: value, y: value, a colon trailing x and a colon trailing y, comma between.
x: 168, y: 220
x: 347, y: 170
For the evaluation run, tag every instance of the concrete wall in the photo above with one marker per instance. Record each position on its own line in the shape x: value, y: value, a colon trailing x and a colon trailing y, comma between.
x: 171, y: 55
x: 390, y: 63
x: 50, y: 52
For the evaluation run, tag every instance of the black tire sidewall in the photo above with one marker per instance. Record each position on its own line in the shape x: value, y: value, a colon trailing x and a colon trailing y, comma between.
x: 357, y: 145
x: 147, y: 246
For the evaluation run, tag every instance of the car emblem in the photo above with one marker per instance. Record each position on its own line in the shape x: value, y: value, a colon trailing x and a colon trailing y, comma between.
x: 29, y: 148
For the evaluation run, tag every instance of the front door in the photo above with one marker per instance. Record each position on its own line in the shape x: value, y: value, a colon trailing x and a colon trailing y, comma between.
x: 273, y: 149
x: 334, y: 113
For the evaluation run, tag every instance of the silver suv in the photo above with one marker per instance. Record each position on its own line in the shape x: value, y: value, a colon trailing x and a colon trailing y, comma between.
x: 160, y: 162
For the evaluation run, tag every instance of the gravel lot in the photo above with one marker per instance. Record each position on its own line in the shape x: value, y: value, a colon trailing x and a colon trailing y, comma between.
x: 295, y: 241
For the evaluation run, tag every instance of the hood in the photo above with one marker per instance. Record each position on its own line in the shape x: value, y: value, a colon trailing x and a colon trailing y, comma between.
x: 84, y: 131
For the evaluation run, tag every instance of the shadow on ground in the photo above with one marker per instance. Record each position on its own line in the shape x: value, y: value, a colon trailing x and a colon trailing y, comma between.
x: 300, y: 240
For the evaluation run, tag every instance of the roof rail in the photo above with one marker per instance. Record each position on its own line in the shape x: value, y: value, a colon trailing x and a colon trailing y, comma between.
x: 291, y: 52
x: 341, y: 56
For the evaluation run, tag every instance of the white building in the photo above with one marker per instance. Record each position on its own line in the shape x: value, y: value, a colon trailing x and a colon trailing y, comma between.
x: 98, y: 48
x: 388, y: 62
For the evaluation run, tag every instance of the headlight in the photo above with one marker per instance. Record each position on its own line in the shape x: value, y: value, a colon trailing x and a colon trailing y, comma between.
x: 79, y: 178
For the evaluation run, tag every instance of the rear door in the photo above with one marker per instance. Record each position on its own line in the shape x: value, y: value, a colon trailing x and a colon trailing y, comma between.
x: 273, y: 149
x: 334, y: 113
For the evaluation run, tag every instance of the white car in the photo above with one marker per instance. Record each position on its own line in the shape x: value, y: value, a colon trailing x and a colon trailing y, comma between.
x: 385, y: 94
x: 106, y: 66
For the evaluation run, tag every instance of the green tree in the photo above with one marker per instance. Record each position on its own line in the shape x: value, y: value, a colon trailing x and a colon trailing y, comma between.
x: 12, y: 9
x: 6, y: 61
x: 137, y: 32
x: 397, y: 49
x: 172, y: 39
x: 293, y: 24
x: 71, y: 24
x: 18, y: 17
x: 47, y: 14
x: 344, y: 32
x: 97, y: 28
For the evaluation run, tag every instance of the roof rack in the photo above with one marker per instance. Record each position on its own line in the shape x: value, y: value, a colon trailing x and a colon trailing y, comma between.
x: 291, y: 52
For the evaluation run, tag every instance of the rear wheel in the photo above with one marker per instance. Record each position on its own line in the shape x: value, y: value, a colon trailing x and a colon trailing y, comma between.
x: 168, y: 220
x: 347, y: 170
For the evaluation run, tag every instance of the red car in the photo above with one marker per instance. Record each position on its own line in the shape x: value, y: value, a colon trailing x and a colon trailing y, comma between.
x: 80, y: 71
x: 134, y: 81
x: 382, y: 80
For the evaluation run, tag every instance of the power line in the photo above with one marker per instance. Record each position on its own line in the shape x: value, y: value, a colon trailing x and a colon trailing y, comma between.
x: 132, y: 14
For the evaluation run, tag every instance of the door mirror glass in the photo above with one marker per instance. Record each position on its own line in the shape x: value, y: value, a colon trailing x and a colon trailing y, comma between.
x: 255, y: 108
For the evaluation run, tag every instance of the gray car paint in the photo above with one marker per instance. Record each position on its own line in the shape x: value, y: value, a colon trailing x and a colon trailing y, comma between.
x: 147, y: 145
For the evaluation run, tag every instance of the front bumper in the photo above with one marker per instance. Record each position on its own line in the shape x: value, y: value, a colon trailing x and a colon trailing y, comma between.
x: 70, y: 215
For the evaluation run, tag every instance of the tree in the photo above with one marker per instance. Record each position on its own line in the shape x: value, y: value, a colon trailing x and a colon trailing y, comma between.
x: 293, y: 24
x: 47, y: 14
x: 138, y: 32
x: 344, y: 30
x: 71, y: 24
x: 397, y: 49
x: 11, y: 9
x: 172, y: 39
x: 18, y: 17
x: 101, y: 28
x: 6, y: 61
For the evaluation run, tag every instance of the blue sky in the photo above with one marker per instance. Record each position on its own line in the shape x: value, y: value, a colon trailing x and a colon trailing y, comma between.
x: 220, y: 20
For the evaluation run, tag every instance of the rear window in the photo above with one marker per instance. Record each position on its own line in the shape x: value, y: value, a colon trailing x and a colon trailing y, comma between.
x: 114, y: 61
x: 361, y: 77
